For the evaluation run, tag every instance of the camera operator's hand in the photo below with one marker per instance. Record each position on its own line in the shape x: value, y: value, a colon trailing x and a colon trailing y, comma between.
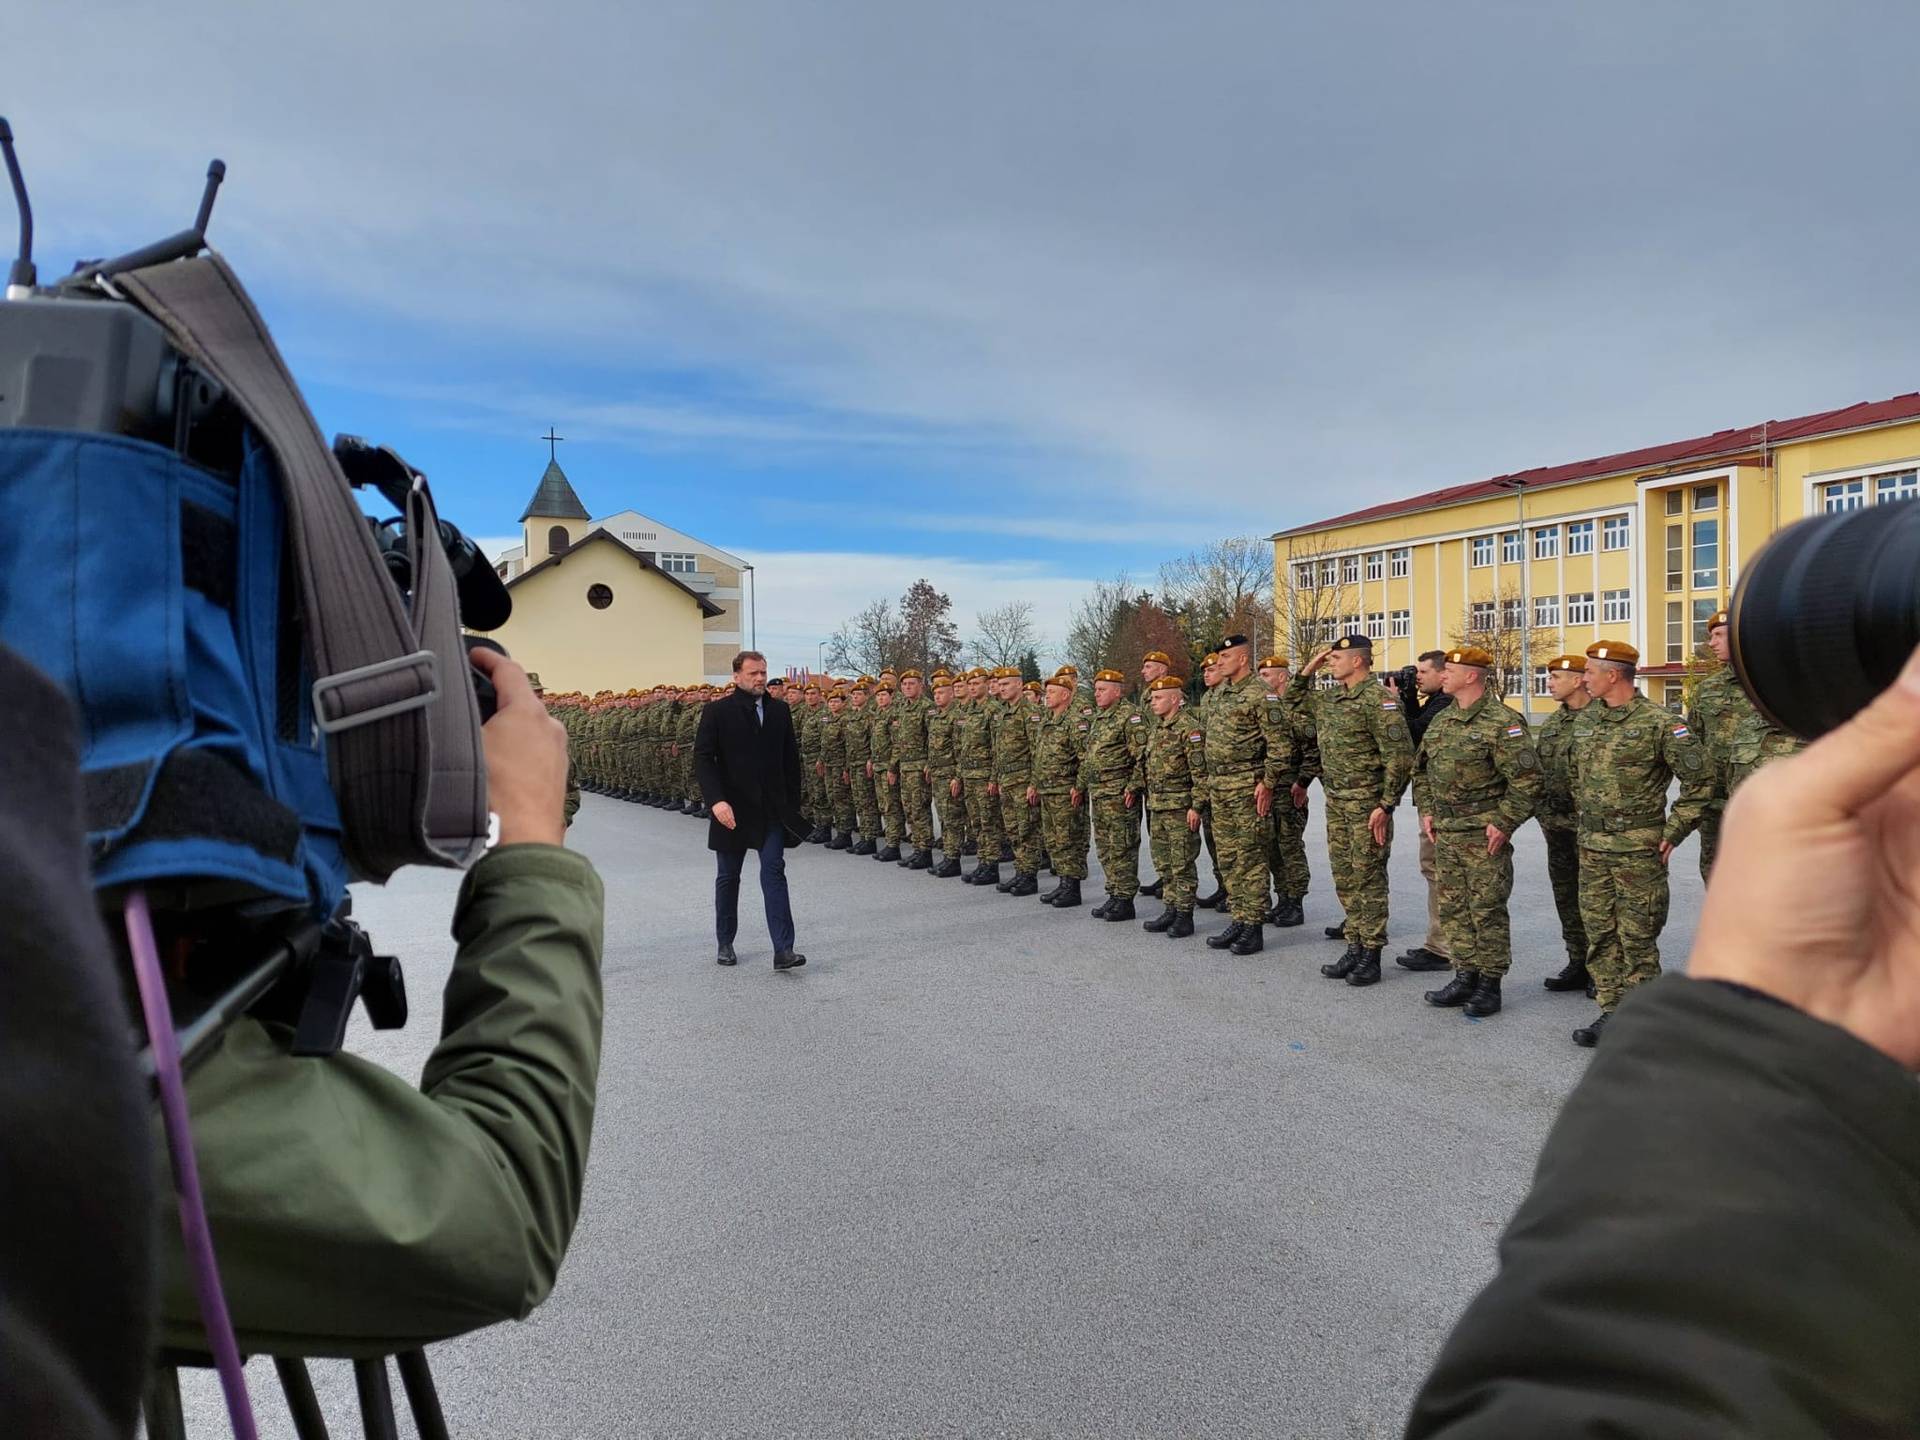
x: 1814, y: 899
x: 526, y: 757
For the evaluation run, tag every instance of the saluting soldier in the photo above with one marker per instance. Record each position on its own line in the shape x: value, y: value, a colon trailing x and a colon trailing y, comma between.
x: 1287, y: 836
x: 1626, y: 751
x: 943, y: 775
x: 1552, y: 741
x: 1112, y: 777
x: 1176, y: 771
x: 1059, y: 748
x: 1366, y: 759
x: 910, y: 763
x: 1475, y: 781
x: 1250, y: 758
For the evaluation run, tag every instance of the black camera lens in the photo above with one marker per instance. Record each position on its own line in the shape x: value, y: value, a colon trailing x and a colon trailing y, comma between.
x: 1826, y: 615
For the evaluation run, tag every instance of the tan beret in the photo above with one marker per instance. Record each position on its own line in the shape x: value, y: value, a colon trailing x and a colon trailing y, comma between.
x: 1575, y: 663
x: 911, y: 675
x: 1210, y: 658
x: 1167, y: 682
x: 1470, y: 655
x: 1617, y: 651
x: 1113, y: 677
x: 1156, y: 657
x: 1273, y: 662
x: 1719, y: 618
x: 1064, y: 681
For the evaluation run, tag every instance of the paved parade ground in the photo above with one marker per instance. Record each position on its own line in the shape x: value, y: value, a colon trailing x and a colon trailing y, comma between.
x: 984, y: 1168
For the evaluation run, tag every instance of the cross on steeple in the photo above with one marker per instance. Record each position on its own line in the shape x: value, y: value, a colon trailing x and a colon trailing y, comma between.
x: 553, y: 443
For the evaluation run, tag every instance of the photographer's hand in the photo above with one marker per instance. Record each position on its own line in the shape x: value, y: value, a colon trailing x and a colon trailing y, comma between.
x: 1846, y: 947
x: 526, y: 757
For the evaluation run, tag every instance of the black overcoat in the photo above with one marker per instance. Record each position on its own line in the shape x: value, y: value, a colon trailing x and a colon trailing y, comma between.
x: 754, y: 767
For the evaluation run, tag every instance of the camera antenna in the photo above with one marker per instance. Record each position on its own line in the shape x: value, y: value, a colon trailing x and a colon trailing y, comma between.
x: 21, y: 277
x: 216, y: 172
x: 182, y: 246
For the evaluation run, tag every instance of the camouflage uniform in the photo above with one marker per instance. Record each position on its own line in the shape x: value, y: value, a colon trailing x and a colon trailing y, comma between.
x: 805, y: 738
x: 1059, y: 749
x: 1113, y: 773
x: 1013, y: 728
x: 1475, y: 768
x: 1619, y: 764
x: 910, y: 760
x: 886, y: 774
x: 973, y: 753
x: 1366, y: 759
x: 1717, y: 703
x: 1175, y: 764
x: 1755, y: 742
x: 943, y: 768
x: 688, y: 728
x: 1287, y: 835
x: 1554, y: 809
x: 833, y: 754
x: 1247, y: 742
x: 858, y: 742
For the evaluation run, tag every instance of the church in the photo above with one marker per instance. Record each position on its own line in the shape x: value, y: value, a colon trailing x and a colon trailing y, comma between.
x: 619, y: 603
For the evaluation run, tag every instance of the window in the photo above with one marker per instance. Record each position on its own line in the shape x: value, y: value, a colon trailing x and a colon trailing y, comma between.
x: 1844, y: 495
x: 676, y: 564
x: 1580, y: 537
x: 1401, y: 562
x: 1540, y: 680
x: 1329, y: 572
x: 1676, y: 557
x: 1510, y: 548
x: 1480, y: 615
x: 1676, y: 633
x: 1376, y: 564
x: 1616, y: 607
x: 1615, y: 532
x: 1377, y: 625
x: 1580, y: 609
x: 1902, y: 486
x: 556, y: 539
x: 1400, y: 625
x: 599, y: 596
x: 1510, y: 613
x: 1350, y: 570
x: 1510, y: 684
x: 1546, y: 543
x: 1349, y: 625
x: 1676, y: 501
x: 1482, y: 550
x: 1303, y: 575
x: 1706, y: 554
x: 1676, y: 696
x: 1546, y: 612
x: 1706, y: 497
x: 1703, y: 611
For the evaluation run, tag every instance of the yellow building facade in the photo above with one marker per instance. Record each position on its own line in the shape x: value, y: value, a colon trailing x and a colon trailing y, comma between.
x: 1643, y: 545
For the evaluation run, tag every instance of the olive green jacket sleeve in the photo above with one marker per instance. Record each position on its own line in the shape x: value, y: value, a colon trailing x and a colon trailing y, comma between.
x: 355, y: 1214
x: 1722, y: 1239
x: 1396, y: 752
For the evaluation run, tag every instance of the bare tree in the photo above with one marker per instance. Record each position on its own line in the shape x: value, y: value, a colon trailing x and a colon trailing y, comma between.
x: 1003, y: 636
x: 1223, y: 588
x: 1499, y: 627
x: 1099, y: 633
x: 869, y: 642
x: 1314, y: 600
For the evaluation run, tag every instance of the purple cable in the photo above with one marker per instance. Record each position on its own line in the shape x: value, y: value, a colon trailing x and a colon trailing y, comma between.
x: 186, y: 1175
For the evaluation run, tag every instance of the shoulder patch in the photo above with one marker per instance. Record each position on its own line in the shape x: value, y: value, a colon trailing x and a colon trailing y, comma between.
x: 1133, y: 720
x: 1389, y: 704
x: 1196, y: 735
x: 1681, y: 729
x: 1516, y: 729
x: 1273, y: 699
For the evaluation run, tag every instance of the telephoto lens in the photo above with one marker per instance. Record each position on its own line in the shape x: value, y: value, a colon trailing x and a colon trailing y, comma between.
x: 1826, y: 615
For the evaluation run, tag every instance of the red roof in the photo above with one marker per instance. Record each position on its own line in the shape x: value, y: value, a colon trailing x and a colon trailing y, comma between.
x: 1705, y: 447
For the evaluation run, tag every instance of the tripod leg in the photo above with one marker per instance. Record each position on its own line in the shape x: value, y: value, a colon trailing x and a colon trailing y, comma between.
x: 376, y: 1399
x: 422, y: 1398
x: 161, y: 1405
x: 308, y: 1422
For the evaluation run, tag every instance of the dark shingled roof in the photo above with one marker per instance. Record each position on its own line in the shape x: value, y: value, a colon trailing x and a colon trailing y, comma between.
x: 555, y: 500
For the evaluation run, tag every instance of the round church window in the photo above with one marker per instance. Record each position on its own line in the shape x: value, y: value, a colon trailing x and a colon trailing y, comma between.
x: 599, y: 596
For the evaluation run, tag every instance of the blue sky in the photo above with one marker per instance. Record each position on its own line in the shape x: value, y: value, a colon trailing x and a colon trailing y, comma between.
x: 1011, y: 296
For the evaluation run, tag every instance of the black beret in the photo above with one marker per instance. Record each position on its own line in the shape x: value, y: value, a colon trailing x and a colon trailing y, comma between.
x: 1227, y: 642
x: 1354, y: 642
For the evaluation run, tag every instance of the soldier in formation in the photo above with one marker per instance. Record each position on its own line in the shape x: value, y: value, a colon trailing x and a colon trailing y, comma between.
x: 1113, y: 778
x: 1059, y: 750
x: 1739, y: 739
x: 1287, y: 835
x: 1552, y: 742
x: 1176, y: 772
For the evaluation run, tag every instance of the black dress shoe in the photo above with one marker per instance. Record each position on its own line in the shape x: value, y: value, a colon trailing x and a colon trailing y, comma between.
x: 1456, y: 991
x: 1251, y: 942
x: 1024, y: 884
x: 1337, y: 932
x: 1182, y: 925
x: 1486, y: 998
x: 726, y: 956
x: 1343, y: 967
x: 1160, y: 923
x: 1226, y: 937
x: 788, y: 960
x: 1572, y: 977
x: 1069, y: 896
x: 1152, y: 889
x: 1421, y: 958
x: 1367, y: 972
x: 1211, y: 902
x: 1588, y: 1036
x: 1120, y: 909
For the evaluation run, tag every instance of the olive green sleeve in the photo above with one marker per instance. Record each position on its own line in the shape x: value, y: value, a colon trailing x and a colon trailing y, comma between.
x: 1518, y: 764
x: 1137, y: 747
x: 354, y: 1214
x: 1422, y: 785
x: 1396, y: 752
x: 1687, y: 758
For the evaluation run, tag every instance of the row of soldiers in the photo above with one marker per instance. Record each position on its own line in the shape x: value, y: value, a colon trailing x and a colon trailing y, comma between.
x: 638, y: 745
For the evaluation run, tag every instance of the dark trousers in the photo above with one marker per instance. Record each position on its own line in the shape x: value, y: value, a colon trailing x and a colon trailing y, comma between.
x: 773, y: 887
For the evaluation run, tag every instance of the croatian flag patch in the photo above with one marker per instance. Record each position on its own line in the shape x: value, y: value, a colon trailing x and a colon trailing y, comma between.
x: 1681, y: 730
x: 1516, y: 730
x: 1389, y: 704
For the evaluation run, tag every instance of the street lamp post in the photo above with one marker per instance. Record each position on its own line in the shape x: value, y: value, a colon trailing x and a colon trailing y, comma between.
x: 753, y: 612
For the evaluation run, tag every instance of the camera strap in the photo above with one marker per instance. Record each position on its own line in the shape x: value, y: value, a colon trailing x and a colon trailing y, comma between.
x: 403, y: 731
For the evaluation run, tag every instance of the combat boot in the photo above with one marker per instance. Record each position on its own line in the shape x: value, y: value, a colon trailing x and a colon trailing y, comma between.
x: 842, y: 840
x: 1572, y: 977
x: 920, y: 860
x: 1287, y: 912
x: 1337, y: 932
x: 1226, y: 937
x: 1119, y: 909
x: 983, y: 874
x: 865, y: 847
x: 1099, y: 912
x: 1006, y: 853
x: 1182, y: 925
x: 1007, y: 884
x: 1367, y: 972
x: 1068, y: 896
x: 1211, y: 902
x: 1024, y: 883
x: 970, y: 848
x: 1486, y: 998
x: 703, y: 812
x: 946, y: 869
x: 1456, y: 991
x: 1343, y: 967
x: 1251, y: 942
x: 1152, y: 889
x: 891, y: 853
x: 1053, y: 894
x: 820, y: 836
x: 1588, y: 1036
x: 1160, y: 923
x: 1421, y: 958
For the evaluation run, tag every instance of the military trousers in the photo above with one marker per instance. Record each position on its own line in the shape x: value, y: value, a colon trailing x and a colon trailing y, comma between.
x: 1436, y: 941
x: 1473, y: 888
x: 1563, y: 873
x: 1023, y: 827
x: 1210, y: 844
x: 893, y: 815
x: 1059, y: 836
x: 1710, y: 838
x: 950, y: 811
x: 1240, y: 832
x: 1175, y: 849
x: 1287, y: 847
x: 1359, y: 868
x: 866, y: 806
x: 917, y: 801
x: 840, y: 798
x: 1623, y: 904
x: 983, y: 818
x: 1116, y: 831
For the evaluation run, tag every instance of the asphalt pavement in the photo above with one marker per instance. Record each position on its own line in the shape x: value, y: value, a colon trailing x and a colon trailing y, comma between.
x: 983, y: 1168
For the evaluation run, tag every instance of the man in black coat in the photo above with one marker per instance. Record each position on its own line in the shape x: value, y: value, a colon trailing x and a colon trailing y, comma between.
x: 747, y: 763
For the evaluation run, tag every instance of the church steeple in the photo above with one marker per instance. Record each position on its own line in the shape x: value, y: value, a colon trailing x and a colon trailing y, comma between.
x: 554, y: 499
x: 554, y: 520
